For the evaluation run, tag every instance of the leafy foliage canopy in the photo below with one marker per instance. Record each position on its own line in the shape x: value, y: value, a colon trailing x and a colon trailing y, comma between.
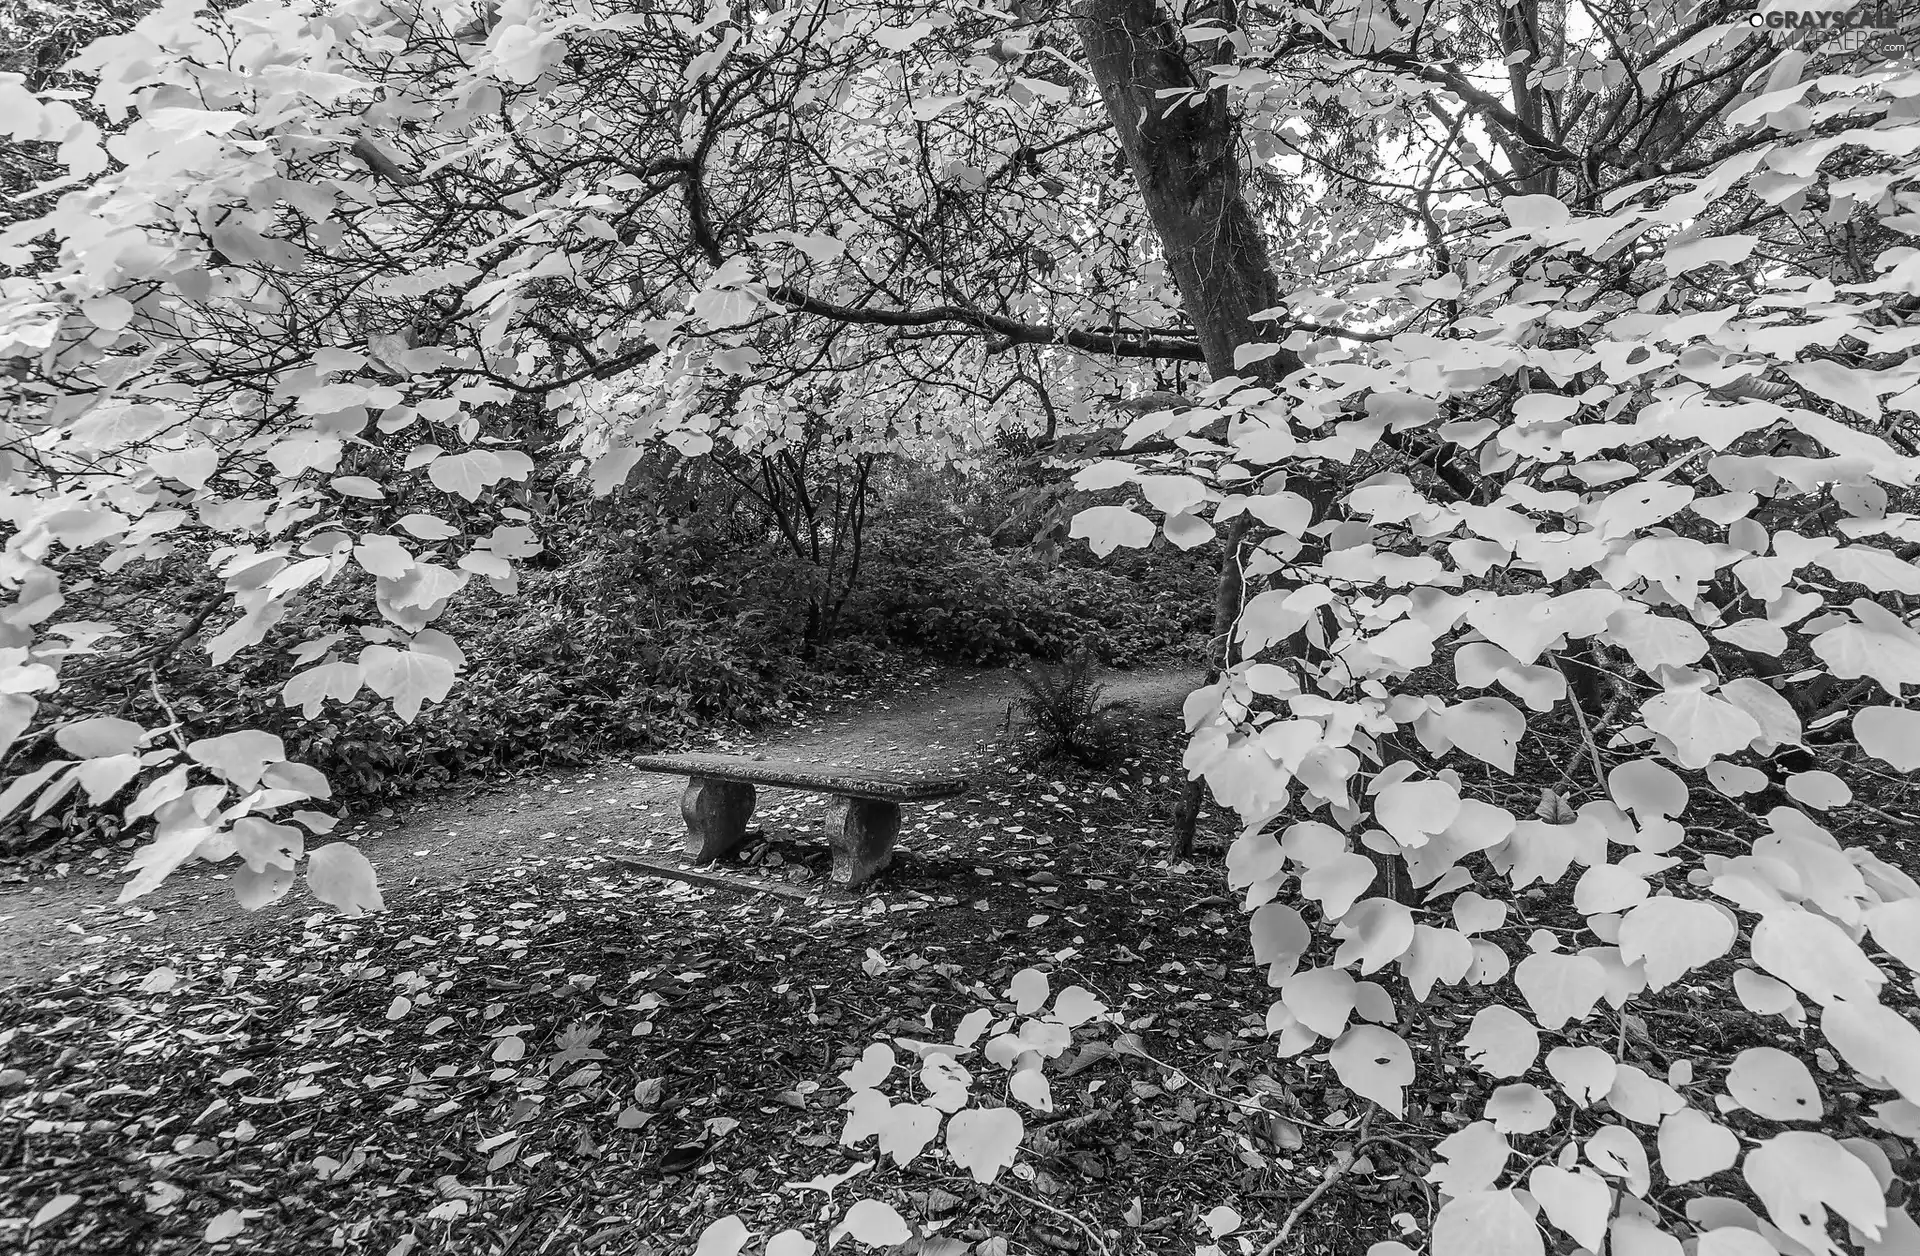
x: 1589, y: 379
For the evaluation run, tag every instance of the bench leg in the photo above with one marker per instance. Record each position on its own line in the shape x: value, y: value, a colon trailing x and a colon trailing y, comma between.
x: 716, y: 813
x: 861, y: 832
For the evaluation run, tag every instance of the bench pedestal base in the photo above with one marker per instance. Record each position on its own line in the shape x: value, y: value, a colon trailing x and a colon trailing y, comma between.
x: 861, y: 833
x: 716, y: 813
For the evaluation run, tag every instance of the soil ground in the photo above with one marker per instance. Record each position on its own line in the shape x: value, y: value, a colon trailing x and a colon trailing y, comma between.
x: 938, y: 720
x: 535, y: 1049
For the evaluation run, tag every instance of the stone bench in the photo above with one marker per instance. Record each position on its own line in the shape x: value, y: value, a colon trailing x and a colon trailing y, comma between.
x: 861, y: 824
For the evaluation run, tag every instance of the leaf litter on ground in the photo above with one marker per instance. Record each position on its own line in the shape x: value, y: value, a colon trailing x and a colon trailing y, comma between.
x: 564, y: 1056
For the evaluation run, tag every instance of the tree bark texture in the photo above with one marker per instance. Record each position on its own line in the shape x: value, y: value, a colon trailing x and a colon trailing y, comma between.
x: 1228, y: 594
x: 1183, y: 152
x: 1182, y: 144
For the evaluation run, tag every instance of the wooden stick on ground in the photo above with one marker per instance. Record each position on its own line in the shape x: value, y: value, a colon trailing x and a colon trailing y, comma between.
x: 712, y: 880
x: 1333, y: 1175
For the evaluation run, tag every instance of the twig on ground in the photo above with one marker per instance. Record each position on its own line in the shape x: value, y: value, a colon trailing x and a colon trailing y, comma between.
x: 1245, y: 1105
x: 1340, y: 1169
x: 173, y: 720
x: 1884, y: 815
x: 1059, y: 1212
x: 733, y: 884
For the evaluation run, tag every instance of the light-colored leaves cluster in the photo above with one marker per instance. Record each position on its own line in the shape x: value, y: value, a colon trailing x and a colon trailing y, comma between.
x: 1591, y: 543
x: 1726, y: 476
x: 945, y: 1116
x: 981, y: 1140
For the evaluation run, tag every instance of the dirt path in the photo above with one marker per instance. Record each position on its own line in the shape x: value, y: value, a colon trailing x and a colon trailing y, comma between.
x: 941, y: 719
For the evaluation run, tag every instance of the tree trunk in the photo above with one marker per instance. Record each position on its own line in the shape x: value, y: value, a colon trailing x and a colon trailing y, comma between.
x: 1182, y: 151
x: 1228, y: 592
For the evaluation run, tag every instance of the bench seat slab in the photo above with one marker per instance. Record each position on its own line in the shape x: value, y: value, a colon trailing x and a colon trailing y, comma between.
x: 861, y: 833
x: 894, y: 787
x: 716, y: 813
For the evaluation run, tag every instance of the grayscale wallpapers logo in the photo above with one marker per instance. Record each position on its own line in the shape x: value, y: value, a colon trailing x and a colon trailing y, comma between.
x: 1872, y: 30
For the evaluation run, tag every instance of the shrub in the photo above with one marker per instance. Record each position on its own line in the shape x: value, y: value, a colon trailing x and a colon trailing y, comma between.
x: 1063, y: 705
x: 641, y: 619
x: 936, y: 587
